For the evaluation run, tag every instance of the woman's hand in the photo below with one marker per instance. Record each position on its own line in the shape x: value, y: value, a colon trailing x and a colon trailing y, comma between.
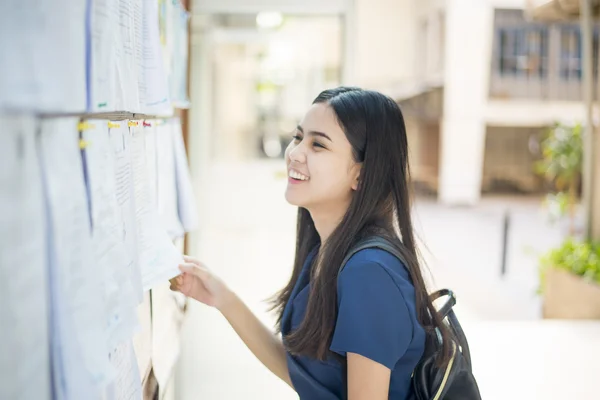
x: 197, y: 282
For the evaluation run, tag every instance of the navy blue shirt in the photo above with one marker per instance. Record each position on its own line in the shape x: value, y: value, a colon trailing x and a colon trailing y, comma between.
x: 376, y: 319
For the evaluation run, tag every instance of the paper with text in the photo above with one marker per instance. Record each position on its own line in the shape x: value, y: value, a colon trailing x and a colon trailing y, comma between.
x: 24, y: 345
x: 104, y: 23
x: 108, y: 236
x: 127, y: 38
x: 127, y: 384
x: 121, y: 144
x: 80, y: 351
x: 154, y: 89
x: 150, y: 145
x: 43, y: 55
x: 159, y: 257
x: 179, y: 56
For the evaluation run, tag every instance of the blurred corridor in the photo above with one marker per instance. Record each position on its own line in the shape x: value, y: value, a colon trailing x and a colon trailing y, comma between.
x: 479, y: 84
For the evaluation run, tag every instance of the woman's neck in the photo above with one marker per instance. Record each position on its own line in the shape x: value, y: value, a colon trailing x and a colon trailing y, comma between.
x: 326, y: 221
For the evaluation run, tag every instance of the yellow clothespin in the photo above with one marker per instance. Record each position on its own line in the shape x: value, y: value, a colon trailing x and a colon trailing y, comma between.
x: 83, y: 126
x: 132, y: 123
x: 83, y: 144
x: 112, y: 125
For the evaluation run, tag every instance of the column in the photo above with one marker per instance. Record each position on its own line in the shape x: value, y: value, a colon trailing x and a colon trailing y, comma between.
x: 469, y: 38
x: 596, y: 190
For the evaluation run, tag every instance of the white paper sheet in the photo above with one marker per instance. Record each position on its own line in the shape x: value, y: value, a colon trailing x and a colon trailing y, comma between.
x: 24, y: 345
x: 104, y: 22
x: 127, y: 385
x: 166, y: 322
x: 121, y: 143
x: 186, y: 200
x: 165, y: 27
x: 179, y: 56
x: 158, y: 256
x: 43, y: 55
x: 154, y: 85
x: 150, y: 145
x: 78, y: 331
x: 142, y: 340
x: 138, y: 46
x: 167, y: 184
x: 126, y: 56
x: 113, y: 259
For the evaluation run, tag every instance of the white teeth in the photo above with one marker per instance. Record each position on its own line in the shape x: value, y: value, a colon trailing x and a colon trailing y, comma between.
x: 297, y: 175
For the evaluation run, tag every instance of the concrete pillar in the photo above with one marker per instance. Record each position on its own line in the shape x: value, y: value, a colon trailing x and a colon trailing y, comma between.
x: 469, y: 27
x: 596, y: 191
x: 461, y: 160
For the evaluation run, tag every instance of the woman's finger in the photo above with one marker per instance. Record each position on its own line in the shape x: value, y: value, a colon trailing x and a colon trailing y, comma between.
x: 195, y: 270
x: 189, y: 259
x: 192, y: 260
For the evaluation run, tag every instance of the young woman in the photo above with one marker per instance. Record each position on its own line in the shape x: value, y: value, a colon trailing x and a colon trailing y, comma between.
x: 359, y: 333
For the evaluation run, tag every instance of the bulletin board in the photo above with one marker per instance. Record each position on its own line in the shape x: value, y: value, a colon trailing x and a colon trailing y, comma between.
x: 96, y: 197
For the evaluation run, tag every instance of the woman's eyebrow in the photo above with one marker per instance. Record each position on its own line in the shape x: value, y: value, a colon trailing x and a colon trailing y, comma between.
x: 315, y: 133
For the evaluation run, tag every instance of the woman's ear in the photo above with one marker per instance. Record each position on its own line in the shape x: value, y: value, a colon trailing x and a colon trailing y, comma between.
x: 356, y: 177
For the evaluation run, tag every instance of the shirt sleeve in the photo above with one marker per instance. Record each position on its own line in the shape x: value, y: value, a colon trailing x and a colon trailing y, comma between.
x: 373, y: 318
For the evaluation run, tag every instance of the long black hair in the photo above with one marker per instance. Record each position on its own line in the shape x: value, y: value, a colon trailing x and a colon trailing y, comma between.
x: 374, y: 126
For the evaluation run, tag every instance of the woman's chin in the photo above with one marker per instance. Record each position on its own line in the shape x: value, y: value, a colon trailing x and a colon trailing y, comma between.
x: 293, y: 199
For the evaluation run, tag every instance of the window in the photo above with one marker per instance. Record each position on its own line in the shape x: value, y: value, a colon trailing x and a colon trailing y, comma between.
x: 523, y: 51
x: 571, y: 59
x: 570, y: 53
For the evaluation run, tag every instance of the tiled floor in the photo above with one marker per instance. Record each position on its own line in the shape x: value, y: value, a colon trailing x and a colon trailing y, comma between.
x: 248, y: 239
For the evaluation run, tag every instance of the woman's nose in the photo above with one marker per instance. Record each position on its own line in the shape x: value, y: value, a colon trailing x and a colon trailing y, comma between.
x: 298, y: 153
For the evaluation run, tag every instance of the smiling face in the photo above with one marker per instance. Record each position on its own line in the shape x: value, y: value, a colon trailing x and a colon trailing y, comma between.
x: 322, y: 172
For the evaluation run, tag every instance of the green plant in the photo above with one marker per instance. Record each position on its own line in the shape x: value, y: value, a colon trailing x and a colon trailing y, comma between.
x: 579, y: 258
x: 561, y: 163
x: 557, y: 205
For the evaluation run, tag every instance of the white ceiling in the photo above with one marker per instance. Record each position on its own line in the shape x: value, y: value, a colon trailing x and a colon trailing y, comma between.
x: 285, y: 6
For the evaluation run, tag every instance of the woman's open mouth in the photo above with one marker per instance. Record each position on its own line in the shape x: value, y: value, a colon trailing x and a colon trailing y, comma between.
x: 296, y: 177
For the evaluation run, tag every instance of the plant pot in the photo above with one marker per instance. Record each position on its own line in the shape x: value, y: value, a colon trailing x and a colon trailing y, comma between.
x: 568, y: 296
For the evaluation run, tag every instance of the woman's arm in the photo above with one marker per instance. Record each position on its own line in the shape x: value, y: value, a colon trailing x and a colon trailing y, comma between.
x: 267, y: 347
x: 367, y: 379
x: 197, y: 282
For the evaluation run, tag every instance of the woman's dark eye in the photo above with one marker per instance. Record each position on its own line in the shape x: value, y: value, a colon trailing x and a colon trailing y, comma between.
x: 297, y: 137
x: 317, y: 144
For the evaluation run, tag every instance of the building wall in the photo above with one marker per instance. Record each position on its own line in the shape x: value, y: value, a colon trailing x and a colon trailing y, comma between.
x: 384, y: 42
x: 468, y: 108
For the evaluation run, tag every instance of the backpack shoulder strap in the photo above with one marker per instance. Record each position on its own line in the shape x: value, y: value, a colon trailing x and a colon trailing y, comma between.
x: 376, y: 242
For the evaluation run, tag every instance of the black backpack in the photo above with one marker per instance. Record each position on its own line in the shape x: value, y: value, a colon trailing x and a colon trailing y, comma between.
x: 453, y: 382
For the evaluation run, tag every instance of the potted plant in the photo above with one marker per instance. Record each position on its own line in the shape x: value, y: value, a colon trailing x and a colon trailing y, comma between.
x: 571, y: 281
x: 570, y: 273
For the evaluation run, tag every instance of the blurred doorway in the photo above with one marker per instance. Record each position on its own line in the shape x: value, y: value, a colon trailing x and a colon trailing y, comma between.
x: 267, y: 68
x: 509, y: 159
